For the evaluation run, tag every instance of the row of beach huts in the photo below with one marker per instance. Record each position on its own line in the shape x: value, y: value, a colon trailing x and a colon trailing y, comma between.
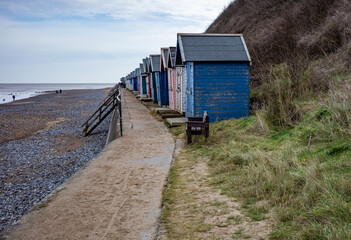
x: 203, y: 72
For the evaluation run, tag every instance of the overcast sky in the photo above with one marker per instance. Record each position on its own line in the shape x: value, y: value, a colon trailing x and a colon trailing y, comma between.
x: 90, y: 41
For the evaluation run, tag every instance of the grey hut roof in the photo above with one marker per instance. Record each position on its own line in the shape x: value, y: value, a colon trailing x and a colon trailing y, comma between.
x: 171, y: 57
x: 141, y: 66
x: 146, y: 65
x: 148, y: 60
x: 137, y: 72
x: 211, y: 47
x: 155, y: 62
x: 164, y: 57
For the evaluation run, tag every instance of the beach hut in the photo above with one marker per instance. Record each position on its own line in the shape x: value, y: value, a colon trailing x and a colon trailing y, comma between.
x: 162, y: 83
x: 135, y: 80
x: 138, y: 74
x: 155, y: 70
x: 217, y: 70
x: 128, y: 82
x: 143, y: 75
x: 181, y: 83
x: 172, y: 79
x: 146, y: 62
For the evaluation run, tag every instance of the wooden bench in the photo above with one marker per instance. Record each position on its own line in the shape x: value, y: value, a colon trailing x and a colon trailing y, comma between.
x: 195, y: 125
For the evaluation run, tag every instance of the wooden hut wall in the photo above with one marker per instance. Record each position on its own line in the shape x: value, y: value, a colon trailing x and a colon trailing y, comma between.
x: 148, y: 78
x: 172, y: 88
x: 144, y: 84
x: 153, y: 86
x: 162, y: 84
x: 135, y: 82
x: 155, y: 69
x: 224, y: 99
x: 179, y: 82
x: 172, y: 79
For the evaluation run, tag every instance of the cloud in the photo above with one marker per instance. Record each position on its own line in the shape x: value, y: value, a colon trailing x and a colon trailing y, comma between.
x: 196, y: 10
x: 80, y: 40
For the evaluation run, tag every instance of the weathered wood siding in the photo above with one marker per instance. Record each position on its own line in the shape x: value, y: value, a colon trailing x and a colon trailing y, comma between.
x: 180, y: 81
x: 189, y: 89
x: 148, y: 83
x: 184, y: 85
x: 220, y: 88
x: 172, y: 88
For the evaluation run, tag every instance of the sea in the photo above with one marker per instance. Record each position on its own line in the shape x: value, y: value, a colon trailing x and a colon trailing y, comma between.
x: 22, y: 91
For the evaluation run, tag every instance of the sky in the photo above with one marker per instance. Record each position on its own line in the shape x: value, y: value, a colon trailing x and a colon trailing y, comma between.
x: 91, y: 41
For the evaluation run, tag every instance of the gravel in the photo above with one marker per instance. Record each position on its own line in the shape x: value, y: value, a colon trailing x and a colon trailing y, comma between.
x: 32, y: 167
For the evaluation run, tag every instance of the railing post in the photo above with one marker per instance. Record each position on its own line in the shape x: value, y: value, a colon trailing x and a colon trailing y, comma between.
x: 120, y: 111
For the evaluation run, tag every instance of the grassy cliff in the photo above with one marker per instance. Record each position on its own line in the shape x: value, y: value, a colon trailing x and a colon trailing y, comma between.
x: 289, y: 163
x: 295, y: 149
x: 301, y: 46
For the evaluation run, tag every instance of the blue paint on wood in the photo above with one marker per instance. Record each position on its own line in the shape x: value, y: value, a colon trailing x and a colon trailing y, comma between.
x: 158, y: 90
x: 143, y: 82
x: 153, y: 86
x: 189, y: 90
x: 162, y: 89
x: 135, y: 84
x: 220, y: 88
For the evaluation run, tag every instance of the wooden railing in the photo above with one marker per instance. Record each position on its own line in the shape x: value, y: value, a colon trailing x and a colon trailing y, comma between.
x: 107, y: 106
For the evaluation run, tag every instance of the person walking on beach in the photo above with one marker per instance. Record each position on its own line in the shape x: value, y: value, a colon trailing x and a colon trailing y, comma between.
x: 13, y: 97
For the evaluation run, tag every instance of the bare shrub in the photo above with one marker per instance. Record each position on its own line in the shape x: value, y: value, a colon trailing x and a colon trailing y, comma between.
x: 312, y: 36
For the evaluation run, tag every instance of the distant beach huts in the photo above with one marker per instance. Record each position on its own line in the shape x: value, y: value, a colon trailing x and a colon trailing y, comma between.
x: 204, y: 72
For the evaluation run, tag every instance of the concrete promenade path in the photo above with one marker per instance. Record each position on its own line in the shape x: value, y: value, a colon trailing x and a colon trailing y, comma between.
x: 117, y: 195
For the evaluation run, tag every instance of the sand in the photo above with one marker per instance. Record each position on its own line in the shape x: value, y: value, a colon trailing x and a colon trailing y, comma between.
x: 118, y: 194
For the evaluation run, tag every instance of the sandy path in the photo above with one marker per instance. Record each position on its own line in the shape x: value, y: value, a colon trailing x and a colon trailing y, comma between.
x: 118, y: 194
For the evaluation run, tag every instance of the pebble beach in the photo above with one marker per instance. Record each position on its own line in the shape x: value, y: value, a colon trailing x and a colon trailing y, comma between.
x: 42, y: 145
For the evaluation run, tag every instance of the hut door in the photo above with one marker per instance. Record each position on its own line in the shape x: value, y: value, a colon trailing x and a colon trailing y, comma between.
x: 179, y: 88
x: 158, y: 92
x: 189, y: 89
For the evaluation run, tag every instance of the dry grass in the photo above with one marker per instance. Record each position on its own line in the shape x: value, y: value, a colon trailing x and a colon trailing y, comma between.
x: 309, y: 36
x: 193, y: 209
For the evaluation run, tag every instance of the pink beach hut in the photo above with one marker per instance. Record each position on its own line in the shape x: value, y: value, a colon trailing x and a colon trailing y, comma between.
x: 172, y: 79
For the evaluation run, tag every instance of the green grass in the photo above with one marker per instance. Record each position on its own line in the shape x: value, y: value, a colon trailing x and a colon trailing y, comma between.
x: 298, y: 174
x: 308, y: 192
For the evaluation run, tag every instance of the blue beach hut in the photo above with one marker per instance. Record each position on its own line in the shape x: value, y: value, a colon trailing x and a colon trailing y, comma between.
x: 135, y: 80
x: 143, y: 75
x: 217, y: 70
x: 162, y: 84
x: 146, y: 62
x: 155, y: 70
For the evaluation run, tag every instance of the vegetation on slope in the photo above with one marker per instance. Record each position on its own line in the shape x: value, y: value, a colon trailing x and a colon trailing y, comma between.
x: 293, y: 153
x: 289, y: 162
x: 298, y: 178
x: 311, y: 39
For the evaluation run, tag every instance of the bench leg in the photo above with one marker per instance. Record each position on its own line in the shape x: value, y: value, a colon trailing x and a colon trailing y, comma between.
x: 207, y: 132
x: 188, y: 133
